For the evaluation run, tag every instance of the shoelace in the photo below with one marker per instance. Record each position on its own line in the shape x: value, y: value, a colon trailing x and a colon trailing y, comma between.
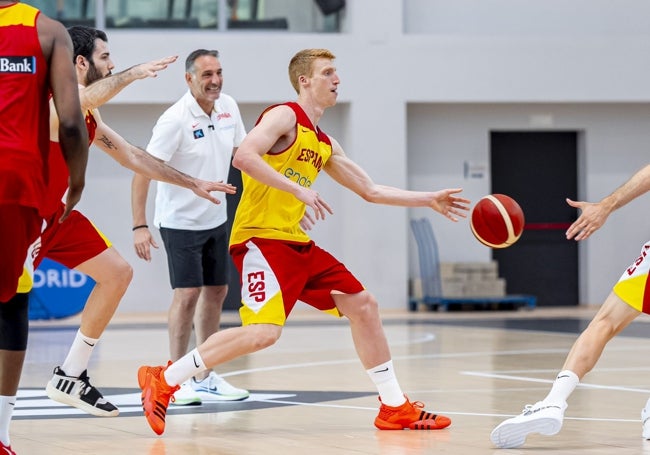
x: 158, y: 372
x: 86, y: 387
x: 531, y: 408
x: 417, y: 404
x: 213, y: 381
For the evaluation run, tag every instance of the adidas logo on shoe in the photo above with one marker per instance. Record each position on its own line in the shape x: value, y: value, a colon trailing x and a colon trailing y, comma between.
x: 79, y: 393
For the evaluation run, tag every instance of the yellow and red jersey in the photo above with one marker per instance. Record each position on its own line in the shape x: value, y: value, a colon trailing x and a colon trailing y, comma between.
x: 270, y: 213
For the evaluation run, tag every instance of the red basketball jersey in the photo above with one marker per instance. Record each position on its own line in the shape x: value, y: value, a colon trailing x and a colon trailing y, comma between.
x: 58, y: 171
x: 24, y: 110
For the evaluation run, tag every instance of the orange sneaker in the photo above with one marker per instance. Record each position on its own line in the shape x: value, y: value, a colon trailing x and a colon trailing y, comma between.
x: 155, y: 395
x: 409, y: 415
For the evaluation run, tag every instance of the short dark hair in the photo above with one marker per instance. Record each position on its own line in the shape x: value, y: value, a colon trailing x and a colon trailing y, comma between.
x: 189, y: 61
x: 83, y: 40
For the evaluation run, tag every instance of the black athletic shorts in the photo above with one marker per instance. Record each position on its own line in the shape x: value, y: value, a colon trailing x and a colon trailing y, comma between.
x: 196, y: 258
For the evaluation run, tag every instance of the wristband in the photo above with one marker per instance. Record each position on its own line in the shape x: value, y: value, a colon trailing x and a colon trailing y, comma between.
x: 135, y: 228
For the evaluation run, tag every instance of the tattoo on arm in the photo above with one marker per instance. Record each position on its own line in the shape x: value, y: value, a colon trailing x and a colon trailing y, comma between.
x: 107, y: 142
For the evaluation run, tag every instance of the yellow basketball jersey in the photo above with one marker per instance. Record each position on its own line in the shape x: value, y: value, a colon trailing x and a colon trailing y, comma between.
x: 269, y: 213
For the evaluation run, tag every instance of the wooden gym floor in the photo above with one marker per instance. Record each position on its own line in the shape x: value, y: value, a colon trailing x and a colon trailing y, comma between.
x: 310, y: 394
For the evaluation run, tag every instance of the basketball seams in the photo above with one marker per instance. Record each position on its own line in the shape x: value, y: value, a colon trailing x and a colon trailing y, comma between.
x: 506, y: 217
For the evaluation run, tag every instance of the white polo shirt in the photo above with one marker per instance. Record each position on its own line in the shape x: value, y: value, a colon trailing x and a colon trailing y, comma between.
x: 189, y: 140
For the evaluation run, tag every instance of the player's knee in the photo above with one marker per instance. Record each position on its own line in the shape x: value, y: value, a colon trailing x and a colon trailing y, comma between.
x: 264, y: 335
x: 114, y: 273
x: 14, y: 323
x: 122, y: 274
x: 364, y: 305
x: 126, y: 272
x: 605, y: 327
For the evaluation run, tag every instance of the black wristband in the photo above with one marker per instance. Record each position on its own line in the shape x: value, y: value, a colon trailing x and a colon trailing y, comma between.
x: 140, y: 227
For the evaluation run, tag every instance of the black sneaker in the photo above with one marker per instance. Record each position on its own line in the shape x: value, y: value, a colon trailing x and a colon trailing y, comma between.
x: 78, y: 392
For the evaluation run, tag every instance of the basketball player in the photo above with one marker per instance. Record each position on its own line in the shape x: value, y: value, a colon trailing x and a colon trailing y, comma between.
x: 35, y: 56
x: 77, y: 243
x: 280, y: 159
x: 627, y: 300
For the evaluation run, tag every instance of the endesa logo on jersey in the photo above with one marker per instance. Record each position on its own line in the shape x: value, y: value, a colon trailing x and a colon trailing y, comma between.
x: 19, y: 65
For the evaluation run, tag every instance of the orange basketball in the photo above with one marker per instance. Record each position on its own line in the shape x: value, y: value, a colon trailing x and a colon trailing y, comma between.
x: 497, y: 221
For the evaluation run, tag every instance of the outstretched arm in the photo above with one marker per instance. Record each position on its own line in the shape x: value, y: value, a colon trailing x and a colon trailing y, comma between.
x: 102, y: 90
x: 593, y: 215
x: 353, y: 177
x: 140, y: 161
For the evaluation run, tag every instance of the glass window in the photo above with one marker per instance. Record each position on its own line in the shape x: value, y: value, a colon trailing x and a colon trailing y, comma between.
x: 300, y: 16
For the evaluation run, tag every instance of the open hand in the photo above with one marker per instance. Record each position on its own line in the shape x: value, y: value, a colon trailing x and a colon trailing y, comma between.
x: 592, y: 217
x: 150, y: 69
x: 446, y: 203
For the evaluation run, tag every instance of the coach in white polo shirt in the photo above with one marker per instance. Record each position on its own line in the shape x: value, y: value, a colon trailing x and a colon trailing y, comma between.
x: 197, y: 135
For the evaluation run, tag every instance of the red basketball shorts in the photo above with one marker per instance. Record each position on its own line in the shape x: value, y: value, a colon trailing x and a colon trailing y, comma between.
x: 633, y: 287
x: 19, y: 228
x: 72, y: 242
x: 275, y: 274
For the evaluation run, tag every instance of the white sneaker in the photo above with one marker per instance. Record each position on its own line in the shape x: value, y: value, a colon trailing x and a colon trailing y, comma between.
x: 216, y: 388
x: 543, y: 418
x: 645, y: 420
x: 186, y: 396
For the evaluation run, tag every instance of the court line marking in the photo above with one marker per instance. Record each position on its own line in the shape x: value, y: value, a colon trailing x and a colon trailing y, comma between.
x: 555, y: 370
x: 450, y: 355
x: 469, y: 414
x: 425, y: 338
x: 550, y: 381
x: 128, y: 403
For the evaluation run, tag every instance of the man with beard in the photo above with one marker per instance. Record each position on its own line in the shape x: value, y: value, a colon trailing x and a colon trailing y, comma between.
x: 77, y: 243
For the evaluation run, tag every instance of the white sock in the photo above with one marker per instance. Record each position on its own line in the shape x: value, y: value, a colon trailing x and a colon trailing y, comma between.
x: 79, y: 355
x: 184, y: 368
x: 386, y: 382
x: 6, y: 411
x: 564, y: 385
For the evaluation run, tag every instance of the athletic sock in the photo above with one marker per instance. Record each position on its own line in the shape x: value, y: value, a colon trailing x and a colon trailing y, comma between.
x: 386, y: 382
x: 184, y: 368
x: 6, y: 411
x: 79, y: 355
x: 563, y: 386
